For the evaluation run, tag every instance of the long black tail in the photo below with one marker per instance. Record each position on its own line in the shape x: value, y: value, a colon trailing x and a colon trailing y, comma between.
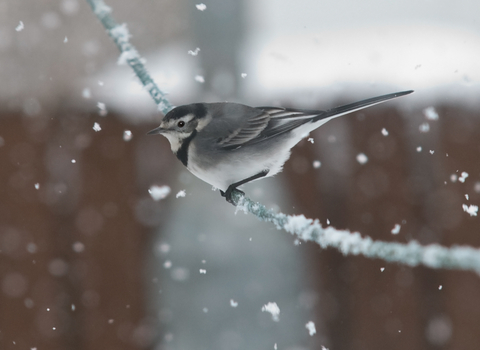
x: 352, y: 107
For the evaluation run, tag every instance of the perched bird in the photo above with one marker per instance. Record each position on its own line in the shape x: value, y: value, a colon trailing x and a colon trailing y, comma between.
x: 229, y: 144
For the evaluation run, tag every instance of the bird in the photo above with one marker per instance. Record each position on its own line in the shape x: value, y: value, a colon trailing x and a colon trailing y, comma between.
x: 229, y: 144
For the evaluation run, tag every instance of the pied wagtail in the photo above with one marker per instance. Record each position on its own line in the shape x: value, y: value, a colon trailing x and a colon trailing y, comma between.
x: 229, y: 144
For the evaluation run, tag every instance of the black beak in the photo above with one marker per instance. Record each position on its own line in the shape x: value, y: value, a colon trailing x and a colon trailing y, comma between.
x: 155, y: 131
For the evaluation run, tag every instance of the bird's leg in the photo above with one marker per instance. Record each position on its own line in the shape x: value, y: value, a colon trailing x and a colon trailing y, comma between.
x: 233, y: 187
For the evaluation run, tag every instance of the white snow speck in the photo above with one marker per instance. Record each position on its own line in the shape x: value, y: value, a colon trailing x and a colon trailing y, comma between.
x: 275, y: 346
x: 20, y: 27
x: 419, y: 149
x: 424, y: 127
x: 440, y: 287
x: 463, y: 177
x: 181, y: 193
x: 430, y: 113
x: 200, y: 79
x: 328, y: 222
x: 97, y: 127
x: 470, y: 209
x: 86, y: 93
x: 205, y: 309
x: 384, y: 132
x: 476, y: 188
x: 102, y: 109
x: 100, y: 83
x: 127, y: 135
x: 110, y: 321
x: 37, y: 186
x: 317, y: 164
x: 233, y: 303
x: 362, y: 158
x: 273, y: 309
x: 65, y: 40
x: 243, y: 75
x: 467, y: 197
x: 432, y: 151
x: 324, y: 348
x: 194, y: 52
x: 78, y: 247
x: 382, y: 269
x: 164, y: 248
x: 159, y: 192
x: 396, y: 229
x: 201, y: 7
x: 453, y: 178
x: 311, y: 140
x: 311, y: 328
x: 167, y: 264
x: 203, y: 271
x: 74, y: 161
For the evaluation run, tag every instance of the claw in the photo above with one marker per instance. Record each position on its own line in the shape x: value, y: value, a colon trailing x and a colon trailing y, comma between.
x: 228, y: 194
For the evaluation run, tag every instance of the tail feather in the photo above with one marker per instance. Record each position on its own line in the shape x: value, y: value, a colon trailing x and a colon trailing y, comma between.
x: 356, y: 106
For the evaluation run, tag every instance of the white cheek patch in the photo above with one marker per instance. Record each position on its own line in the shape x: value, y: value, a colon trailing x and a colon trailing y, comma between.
x: 203, y: 122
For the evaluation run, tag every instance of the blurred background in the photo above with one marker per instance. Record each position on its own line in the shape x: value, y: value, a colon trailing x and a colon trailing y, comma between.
x: 89, y: 260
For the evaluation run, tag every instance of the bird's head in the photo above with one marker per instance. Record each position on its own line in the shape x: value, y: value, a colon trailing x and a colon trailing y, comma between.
x: 181, y: 122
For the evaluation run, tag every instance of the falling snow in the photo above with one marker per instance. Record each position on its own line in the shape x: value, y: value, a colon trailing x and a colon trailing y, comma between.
x: 233, y: 303
x: 102, y: 109
x: 419, y: 149
x: 430, y: 113
x: 159, y: 192
x: 201, y: 7
x: 384, y: 132
x: 463, y: 177
x: 203, y: 271
x: 470, y: 209
x: 396, y: 229
x: 194, y: 52
x: 311, y: 328
x: 273, y: 309
x: 37, y: 186
x: 20, y: 27
x: 424, y: 127
x: 317, y: 164
x: 181, y: 193
x: 97, y: 127
x: 243, y: 75
x: 200, y: 79
x: 362, y: 158
x: 311, y: 140
x: 86, y: 93
x: 382, y: 269
x: 127, y: 135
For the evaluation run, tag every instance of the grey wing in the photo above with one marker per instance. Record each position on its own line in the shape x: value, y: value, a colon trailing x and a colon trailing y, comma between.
x: 284, y: 120
x: 268, y: 122
x: 249, y: 130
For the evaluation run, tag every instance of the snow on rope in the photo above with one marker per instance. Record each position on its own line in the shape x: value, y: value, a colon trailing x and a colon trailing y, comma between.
x: 128, y: 54
x: 412, y: 253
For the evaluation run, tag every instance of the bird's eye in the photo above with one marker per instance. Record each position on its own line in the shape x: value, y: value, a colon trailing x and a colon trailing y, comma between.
x: 181, y: 124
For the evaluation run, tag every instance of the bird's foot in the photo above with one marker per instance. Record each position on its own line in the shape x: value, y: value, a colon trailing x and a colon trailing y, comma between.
x: 228, y: 193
